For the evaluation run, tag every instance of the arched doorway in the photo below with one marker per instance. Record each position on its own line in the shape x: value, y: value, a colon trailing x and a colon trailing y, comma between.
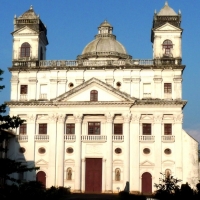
x: 146, y: 183
x: 41, y: 176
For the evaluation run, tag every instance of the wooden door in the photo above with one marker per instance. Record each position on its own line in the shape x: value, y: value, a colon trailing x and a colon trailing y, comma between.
x: 146, y: 183
x: 41, y: 176
x: 93, y: 175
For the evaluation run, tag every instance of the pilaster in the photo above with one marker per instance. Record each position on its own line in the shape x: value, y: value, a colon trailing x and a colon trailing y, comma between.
x: 78, y: 122
x: 60, y: 151
x: 109, y: 152
x: 126, y: 132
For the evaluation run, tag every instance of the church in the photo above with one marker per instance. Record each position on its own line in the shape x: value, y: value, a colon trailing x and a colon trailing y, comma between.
x: 105, y: 121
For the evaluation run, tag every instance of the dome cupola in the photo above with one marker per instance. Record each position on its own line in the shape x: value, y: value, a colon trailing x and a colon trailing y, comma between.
x: 104, y: 46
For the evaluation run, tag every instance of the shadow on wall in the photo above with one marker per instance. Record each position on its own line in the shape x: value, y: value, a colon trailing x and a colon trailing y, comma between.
x: 25, y: 169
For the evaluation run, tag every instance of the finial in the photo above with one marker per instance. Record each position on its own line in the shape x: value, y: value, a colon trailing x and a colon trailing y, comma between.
x: 15, y: 16
x: 38, y: 16
x: 179, y: 12
x: 166, y: 3
x: 31, y: 7
x: 155, y: 12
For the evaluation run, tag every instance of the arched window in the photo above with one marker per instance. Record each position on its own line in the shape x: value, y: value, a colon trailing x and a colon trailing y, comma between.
x: 25, y: 50
x: 167, y: 173
x: 41, y: 176
x: 117, y: 174
x: 69, y: 173
x: 93, y: 95
x: 41, y: 53
x: 167, y: 46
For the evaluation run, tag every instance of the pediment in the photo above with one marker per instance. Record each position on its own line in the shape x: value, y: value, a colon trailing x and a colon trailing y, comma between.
x: 146, y: 163
x: 168, y: 162
x: 167, y: 27
x: 106, y: 92
x: 117, y: 162
x: 25, y: 31
x: 41, y: 162
x: 69, y: 161
x: 147, y: 117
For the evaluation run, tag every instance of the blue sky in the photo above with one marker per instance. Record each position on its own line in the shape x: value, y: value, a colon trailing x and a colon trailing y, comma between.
x: 71, y: 24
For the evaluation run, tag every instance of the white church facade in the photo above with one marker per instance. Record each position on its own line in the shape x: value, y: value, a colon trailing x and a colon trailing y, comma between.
x: 103, y: 121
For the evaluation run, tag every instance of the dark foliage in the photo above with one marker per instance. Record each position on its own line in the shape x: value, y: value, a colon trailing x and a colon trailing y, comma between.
x: 33, y: 190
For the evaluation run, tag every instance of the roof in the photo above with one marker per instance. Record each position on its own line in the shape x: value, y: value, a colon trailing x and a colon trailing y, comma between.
x: 166, y: 11
x: 29, y: 14
x: 105, y: 24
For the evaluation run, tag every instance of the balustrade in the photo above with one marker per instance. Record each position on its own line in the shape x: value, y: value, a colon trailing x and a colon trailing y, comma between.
x: 147, y: 138
x: 70, y: 138
x: 23, y: 97
x: 22, y: 138
x: 42, y: 138
x: 93, y: 138
x: 118, y: 138
x: 168, y: 138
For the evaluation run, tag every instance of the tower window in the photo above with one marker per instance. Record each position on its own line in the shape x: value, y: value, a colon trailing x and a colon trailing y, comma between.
x: 167, y: 46
x: 168, y: 88
x: 41, y: 53
x: 25, y: 49
x: 94, y: 95
x: 23, y: 89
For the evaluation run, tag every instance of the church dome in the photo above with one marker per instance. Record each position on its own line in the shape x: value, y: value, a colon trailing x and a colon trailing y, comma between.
x: 104, y: 45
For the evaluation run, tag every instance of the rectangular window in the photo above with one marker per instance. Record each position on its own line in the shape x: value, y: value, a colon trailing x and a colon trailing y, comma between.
x: 168, y: 88
x: 24, y: 89
x: 167, y: 129
x: 43, y: 91
x: 93, y: 128
x: 146, y: 129
x: 42, y: 129
x: 147, y: 90
x: 118, y: 129
x: 22, y: 129
x: 70, y: 128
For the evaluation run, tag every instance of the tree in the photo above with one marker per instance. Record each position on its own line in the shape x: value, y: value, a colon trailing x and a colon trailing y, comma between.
x: 7, y: 124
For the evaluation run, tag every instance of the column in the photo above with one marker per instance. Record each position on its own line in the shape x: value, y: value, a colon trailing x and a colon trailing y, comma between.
x: 32, y: 88
x: 78, y: 121
x: 52, y: 150
x: 60, y: 151
x: 126, y: 132
x: 109, y: 152
x: 135, y: 89
x: 31, y: 129
x: 157, y: 87
x: 135, y: 154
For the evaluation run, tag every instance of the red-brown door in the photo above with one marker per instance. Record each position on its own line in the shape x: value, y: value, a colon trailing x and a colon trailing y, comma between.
x: 146, y: 183
x: 93, y: 175
x: 41, y: 176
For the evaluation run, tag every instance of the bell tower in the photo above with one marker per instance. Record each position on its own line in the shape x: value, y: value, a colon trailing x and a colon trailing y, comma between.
x: 29, y: 37
x: 166, y: 35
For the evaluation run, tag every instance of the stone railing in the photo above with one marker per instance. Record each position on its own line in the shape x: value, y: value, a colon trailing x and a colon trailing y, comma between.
x: 70, y: 138
x: 118, y: 138
x: 23, y: 97
x: 42, y: 138
x: 146, y: 95
x: 94, y: 63
x: 93, y: 138
x: 147, y: 138
x: 22, y: 138
x: 43, y: 96
x: 168, y: 138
